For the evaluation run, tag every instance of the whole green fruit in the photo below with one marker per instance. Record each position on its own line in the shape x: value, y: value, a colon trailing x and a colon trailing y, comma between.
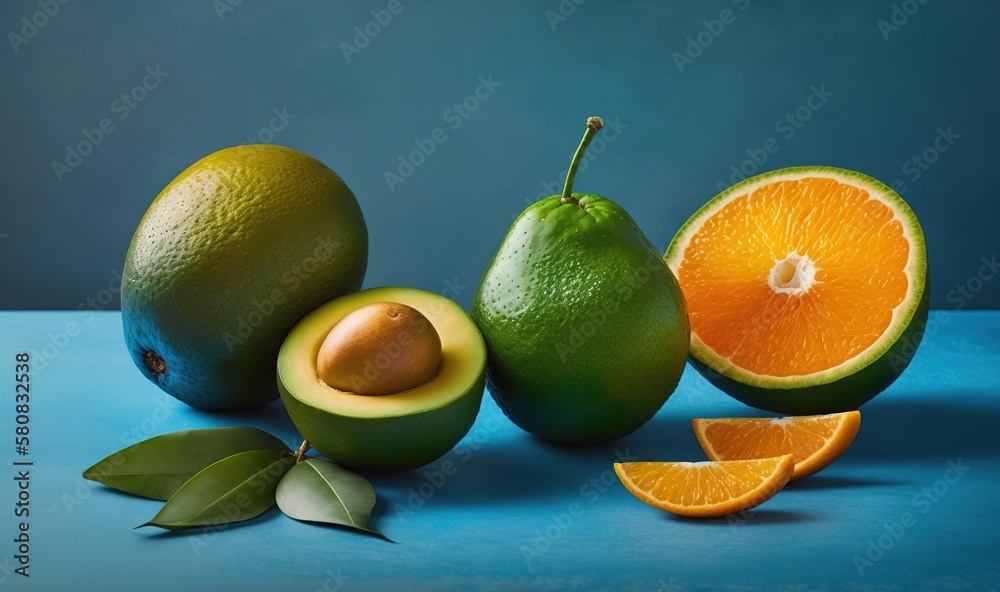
x: 228, y: 258
x: 585, y: 326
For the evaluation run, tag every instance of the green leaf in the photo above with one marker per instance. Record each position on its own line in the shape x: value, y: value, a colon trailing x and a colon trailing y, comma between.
x: 319, y: 491
x: 157, y: 467
x: 236, y: 488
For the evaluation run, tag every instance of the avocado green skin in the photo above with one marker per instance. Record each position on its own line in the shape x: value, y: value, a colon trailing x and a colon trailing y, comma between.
x: 586, y: 328
x: 218, y: 313
x: 386, y: 432
x: 843, y: 394
x: 388, y: 444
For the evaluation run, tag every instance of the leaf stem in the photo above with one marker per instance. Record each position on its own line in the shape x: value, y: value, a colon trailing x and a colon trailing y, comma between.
x: 594, y: 125
x: 301, y: 454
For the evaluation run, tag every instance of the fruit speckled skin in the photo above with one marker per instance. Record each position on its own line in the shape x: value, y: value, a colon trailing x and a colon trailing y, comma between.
x: 228, y: 258
x: 585, y: 326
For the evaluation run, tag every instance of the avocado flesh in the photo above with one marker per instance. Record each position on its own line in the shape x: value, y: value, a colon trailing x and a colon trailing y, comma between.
x: 387, y: 432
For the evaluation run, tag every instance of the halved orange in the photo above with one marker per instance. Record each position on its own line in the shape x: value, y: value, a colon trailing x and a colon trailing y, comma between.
x: 806, y: 289
x: 706, y: 489
x: 814, y: 441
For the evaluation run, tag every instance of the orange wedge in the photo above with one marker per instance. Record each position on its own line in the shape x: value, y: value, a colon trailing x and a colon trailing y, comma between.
x: 814, y: 441
x: 706, y: 489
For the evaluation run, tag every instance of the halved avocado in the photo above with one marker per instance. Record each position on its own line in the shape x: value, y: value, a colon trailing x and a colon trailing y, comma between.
x: 393, y: 432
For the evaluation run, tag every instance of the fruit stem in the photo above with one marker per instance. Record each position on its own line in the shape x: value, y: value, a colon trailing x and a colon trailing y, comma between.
x: 154, y: 363
x: 301, y: 454
x: 594, y: 125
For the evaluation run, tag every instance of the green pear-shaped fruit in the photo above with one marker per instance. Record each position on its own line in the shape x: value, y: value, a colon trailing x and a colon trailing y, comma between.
x: 585, y: 326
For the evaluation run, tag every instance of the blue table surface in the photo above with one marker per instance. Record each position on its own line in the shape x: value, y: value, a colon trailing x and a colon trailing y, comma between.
x: 912, y: 505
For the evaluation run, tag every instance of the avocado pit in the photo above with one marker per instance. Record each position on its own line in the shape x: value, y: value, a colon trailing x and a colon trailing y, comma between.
x: 379, y: 349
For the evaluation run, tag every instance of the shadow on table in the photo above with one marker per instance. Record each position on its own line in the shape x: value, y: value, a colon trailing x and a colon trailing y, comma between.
x: 821, y: 481
x: 271, y: 418
x: 516, y: 466
x: 934, y: 426
x: 758, y: 517
x: 209, y: 533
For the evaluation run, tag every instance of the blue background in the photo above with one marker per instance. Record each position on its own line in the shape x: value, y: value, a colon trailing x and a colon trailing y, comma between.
x: 62, y: 242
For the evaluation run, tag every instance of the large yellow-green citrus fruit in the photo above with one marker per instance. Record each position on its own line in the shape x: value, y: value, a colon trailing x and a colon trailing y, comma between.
x: 228, y: 258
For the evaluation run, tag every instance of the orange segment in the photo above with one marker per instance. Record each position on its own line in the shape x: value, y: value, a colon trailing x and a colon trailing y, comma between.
x: 813, y: 441
x: 706, y: 489
x: 848, y: 246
